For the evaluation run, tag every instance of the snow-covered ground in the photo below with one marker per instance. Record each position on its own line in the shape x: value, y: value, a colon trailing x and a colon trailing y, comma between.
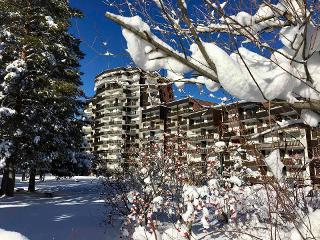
x: 75, y: 212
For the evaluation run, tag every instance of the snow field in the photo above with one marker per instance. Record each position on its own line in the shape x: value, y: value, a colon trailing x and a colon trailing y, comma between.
x: 75, y: 211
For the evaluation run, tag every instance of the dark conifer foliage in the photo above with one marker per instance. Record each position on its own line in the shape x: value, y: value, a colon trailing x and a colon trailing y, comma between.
x: 40, y: 95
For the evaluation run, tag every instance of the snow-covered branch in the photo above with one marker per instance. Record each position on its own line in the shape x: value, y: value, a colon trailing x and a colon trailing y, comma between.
x: 272, y: 55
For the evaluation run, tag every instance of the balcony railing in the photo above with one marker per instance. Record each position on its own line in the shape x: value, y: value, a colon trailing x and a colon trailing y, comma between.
x: 110, y: 141
x: 258, y: 163
x: 130, y: 131
x: 203, y: 137
x: 113, y: 105
x: 113, y: 132
x: 148, y: 139
x: 281, y: 144
x: 152, y: 118
x: 201, y: 125
x: 262, y: 129
x: 150, y: 128
x: 180, y: 112
x: 113, y: 150
x: 201, y: 150
x: 112, y: 113
x: 131, y: 104
x: 128, y: 113
x: 113, y: 122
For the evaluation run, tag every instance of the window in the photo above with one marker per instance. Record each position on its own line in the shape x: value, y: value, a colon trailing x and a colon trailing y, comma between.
x: 203, y: 132
x: 314, y: 134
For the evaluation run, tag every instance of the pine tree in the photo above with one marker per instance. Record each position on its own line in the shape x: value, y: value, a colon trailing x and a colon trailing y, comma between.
x: 40, y: 86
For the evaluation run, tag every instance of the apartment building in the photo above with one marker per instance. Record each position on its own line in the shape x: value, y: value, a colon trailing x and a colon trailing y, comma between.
x: 178, y: 120
x: 248, y: 133
x: 170, y: 124
x: 262, y: 128
x: 132, y: 110
x: 121, y: 95
x: 202, y: 135
x: 154, y: 124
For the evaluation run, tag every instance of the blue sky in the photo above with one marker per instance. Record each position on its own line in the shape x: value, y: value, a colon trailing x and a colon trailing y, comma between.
x: 99, y: 35
x: 95, y: 31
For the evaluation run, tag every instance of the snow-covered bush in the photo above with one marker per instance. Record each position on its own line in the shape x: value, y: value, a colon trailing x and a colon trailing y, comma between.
x: 229, y: 212
x: 158, y: 200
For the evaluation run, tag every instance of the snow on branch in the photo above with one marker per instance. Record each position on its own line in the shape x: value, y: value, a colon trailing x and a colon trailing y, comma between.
x: 250, y: 67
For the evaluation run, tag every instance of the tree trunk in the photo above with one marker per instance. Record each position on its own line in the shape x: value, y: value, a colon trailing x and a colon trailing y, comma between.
x: 32, y: 180
x: 4, y: 182
x: 8, y: 180
x: 23, y: 178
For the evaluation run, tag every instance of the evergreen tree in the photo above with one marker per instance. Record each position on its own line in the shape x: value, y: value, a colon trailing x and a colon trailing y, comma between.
x: 39, y: 86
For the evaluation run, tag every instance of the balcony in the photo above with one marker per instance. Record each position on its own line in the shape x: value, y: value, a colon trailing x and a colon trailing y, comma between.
x: 131, y: 104
x: 151, y: 128
x: 131, y: 123
x: 151, y: 118
x: 282, y: 144
x: 262, y: 129
x: 109, y: 97
x: 258, y: 163
x: 201, y: 125
x: 148, y: 139
x: 100, y: 124
x: 113, y: 123
x: 130, y: 132
x: 113, y: 132
x: 113, y: 105
x: 132, y: 95
x: 110, y: 141
x: 247, y: 116
x: 112, y: 150
x: 130, y: 113
x: 112, y: 113
x: 201, y: 150
x: 180, y: 112
x: 203, y: 137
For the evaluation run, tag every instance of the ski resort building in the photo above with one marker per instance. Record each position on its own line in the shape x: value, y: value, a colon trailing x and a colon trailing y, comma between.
x: 260, y: 129
x: 133, y: 109
x: 120, y: 96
